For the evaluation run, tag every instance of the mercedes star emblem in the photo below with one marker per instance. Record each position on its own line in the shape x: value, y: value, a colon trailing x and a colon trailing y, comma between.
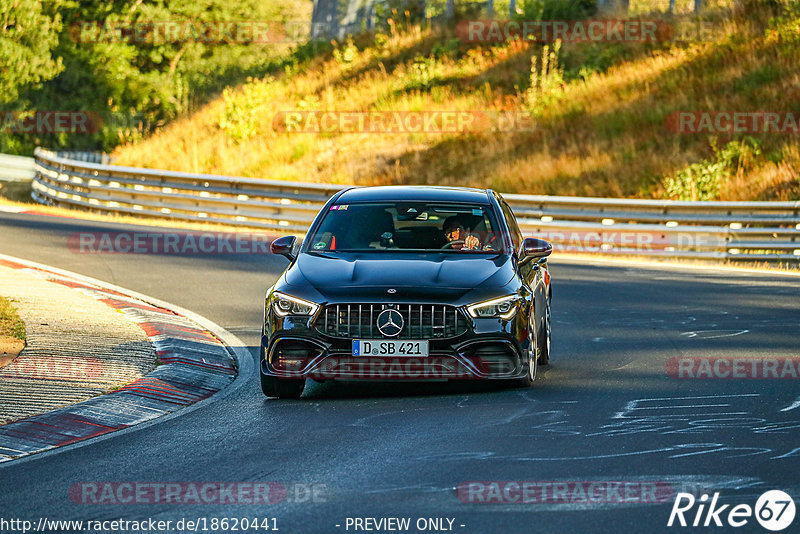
x: 390, y: 322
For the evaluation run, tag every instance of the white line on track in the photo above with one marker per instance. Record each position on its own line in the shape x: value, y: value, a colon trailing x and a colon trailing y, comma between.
x: 665, y: 265
x: 792, y: 406
x: 12, y: 209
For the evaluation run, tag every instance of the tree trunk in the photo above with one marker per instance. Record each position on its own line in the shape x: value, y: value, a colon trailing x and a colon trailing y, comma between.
x: 370, y: 14
x: 324, y: 23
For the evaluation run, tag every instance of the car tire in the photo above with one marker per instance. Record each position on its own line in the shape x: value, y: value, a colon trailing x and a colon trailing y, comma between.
x: 281, y: 387
x: 532, y: 366
x: 544, y: 349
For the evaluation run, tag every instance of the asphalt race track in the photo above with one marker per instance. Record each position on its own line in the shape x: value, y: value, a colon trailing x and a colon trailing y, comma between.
x: 606, y: 410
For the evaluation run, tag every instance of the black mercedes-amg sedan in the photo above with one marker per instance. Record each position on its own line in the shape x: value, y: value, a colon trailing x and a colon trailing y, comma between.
x: 408, y: 283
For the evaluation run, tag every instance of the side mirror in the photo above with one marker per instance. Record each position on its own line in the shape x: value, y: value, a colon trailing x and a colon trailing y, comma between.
x: 533, y: 248
x: 283, y: 246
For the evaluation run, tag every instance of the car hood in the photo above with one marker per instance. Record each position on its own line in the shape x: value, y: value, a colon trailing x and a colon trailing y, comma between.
x: 358, y: 276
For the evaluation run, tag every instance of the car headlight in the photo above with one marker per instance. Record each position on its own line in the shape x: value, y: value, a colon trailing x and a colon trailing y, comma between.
x: 503, y: 307
x: 284, y: 305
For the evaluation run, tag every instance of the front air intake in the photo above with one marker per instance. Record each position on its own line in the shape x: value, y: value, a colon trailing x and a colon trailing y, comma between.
x: 420, y: 321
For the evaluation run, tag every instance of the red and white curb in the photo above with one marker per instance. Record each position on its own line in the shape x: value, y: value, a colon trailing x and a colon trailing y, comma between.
x: 194, y: 365
x: 19, y: 210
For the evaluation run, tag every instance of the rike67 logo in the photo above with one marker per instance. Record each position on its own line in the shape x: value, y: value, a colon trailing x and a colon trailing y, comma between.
x: 774, y: 510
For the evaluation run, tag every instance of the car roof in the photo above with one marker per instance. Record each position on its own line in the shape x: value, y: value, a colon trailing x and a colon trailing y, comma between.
x: 420, y: 193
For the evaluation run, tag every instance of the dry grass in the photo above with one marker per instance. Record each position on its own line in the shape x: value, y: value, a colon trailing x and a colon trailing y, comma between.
x: 10, y: 323
x: 606, y: 135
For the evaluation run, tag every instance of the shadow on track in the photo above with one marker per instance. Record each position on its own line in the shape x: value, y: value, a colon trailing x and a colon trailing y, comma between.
x: 332, y: 389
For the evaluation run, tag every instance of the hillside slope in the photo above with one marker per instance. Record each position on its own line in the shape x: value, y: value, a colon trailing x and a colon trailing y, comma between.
x: 602, y: 114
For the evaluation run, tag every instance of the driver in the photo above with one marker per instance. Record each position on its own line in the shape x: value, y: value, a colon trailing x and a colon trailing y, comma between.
x: 457, y: 234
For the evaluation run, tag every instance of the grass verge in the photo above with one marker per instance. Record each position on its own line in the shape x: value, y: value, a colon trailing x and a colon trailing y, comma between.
x: 10, y: 323
x: 601, y: 112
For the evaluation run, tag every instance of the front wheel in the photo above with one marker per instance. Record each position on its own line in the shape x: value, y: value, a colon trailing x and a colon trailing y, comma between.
x: 533, y: 343
x: 544, y: 349
x: 283, y: 388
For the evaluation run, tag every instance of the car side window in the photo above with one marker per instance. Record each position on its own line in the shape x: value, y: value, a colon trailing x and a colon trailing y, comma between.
x: 516, y: 235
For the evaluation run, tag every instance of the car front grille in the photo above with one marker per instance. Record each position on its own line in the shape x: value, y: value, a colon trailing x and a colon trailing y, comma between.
x: 421, y: 321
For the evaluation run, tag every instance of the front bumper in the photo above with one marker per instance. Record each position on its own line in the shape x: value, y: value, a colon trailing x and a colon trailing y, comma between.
x: 488, y: 356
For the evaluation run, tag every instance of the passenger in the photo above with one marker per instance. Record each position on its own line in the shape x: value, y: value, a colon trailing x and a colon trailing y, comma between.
x: 459, y: 238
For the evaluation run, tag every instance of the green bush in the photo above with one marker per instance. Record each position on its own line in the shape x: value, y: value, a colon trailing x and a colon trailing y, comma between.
x: 447, y: 48
x: 239, y: 119
x: 347, y: 53
x: 547, y: 84
x: 705, y: 180
x: 423, y: 73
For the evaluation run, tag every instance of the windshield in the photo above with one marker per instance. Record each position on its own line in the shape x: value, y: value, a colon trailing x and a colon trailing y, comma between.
x: 412, y: 226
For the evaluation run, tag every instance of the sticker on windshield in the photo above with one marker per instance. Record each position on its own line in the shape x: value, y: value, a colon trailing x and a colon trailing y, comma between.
x: 340, y: 207
x: 477, y: 211
x: 319, y: 245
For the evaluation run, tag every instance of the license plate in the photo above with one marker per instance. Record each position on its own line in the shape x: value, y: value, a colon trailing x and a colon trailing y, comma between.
x: 390, y: 347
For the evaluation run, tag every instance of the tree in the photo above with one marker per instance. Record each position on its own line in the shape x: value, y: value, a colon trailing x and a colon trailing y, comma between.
x: 27, y: 37
x: 114, y: 64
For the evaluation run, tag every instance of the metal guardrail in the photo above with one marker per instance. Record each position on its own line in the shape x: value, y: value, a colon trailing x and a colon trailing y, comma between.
x: 85, y: 155
x: 250, y: 202
x: 16, y: 168
x: 760, y: 231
